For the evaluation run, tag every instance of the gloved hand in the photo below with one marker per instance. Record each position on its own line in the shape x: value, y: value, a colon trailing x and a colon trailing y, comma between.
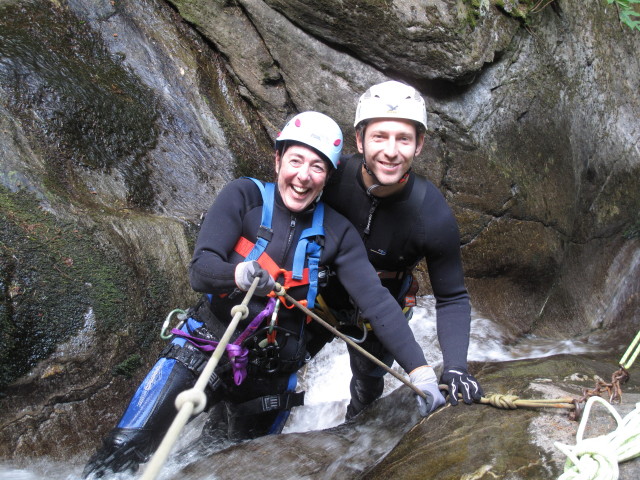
x: 460, y: 381
x: 425, y: 379
x: 247, y: 271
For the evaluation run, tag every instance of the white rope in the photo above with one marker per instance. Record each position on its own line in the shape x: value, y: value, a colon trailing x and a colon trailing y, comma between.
x: 192, y: 401
x: 597, y: 458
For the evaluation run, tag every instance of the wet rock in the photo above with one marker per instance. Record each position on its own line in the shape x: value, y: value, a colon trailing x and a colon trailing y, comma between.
x: 340, y: 452
x: 407, y: 37
x: 483, y: 442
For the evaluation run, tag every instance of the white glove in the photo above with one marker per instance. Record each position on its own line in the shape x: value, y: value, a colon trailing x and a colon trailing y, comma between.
x: 247, y: 271
x: 425, y: 379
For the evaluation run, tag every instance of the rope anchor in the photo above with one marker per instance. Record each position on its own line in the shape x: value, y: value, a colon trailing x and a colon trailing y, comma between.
x: 598, y: 457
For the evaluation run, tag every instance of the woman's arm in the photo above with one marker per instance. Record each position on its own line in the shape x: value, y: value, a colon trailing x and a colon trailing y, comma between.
x: 210, y: 268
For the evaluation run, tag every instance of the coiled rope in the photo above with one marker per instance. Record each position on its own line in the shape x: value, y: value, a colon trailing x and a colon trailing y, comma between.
x: 597, y: 458
x: 192, y: 401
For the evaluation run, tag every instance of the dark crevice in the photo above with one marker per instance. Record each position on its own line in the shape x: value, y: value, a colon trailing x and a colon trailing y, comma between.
x: 290, y: 105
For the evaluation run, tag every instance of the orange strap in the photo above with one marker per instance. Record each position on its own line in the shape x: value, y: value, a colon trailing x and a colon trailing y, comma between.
x: 244, y: 247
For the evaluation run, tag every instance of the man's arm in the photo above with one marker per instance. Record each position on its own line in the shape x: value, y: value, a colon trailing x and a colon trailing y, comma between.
x: 453, y: 310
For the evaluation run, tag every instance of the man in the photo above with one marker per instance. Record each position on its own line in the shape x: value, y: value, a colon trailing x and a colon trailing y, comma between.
x: 402, y: 218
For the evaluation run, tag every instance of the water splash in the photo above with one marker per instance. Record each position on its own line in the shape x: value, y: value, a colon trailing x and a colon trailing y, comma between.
x: 326, y: 381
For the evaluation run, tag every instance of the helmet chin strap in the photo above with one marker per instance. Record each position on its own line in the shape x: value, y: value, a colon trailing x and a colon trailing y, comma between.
x: 371, y: 174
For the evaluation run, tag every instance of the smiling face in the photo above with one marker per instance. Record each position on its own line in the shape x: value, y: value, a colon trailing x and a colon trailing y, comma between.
x: 389, y: 147
x: 302, y: 174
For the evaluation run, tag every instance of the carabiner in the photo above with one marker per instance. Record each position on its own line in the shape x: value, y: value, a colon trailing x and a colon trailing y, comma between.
x: 182, y: 316
x: 274, y: 316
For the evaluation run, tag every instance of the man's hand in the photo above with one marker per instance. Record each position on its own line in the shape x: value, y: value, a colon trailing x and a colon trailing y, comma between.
x: 460, y: 381
x: 425, y: 379
x: 247, y: 271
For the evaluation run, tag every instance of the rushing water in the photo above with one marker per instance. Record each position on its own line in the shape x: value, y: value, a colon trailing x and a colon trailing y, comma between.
x: 326, y: 381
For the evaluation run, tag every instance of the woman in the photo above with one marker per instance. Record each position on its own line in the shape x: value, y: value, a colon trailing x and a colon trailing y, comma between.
x: 281, y: 233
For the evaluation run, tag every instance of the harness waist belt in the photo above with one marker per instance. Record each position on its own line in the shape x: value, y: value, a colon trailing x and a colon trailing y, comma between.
x: 194, y: 360
x: 386, y: 275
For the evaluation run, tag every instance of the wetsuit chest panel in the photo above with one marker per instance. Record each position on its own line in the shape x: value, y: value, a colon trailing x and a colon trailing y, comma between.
x: 396, y: 227
x: 391, y: 244
x: 285, y: 230
x: 308, y: 242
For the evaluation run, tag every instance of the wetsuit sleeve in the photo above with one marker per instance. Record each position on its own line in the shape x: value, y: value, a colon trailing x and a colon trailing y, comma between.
x: 444, y: 263
x: 211, y: 269
x: 376, y: 303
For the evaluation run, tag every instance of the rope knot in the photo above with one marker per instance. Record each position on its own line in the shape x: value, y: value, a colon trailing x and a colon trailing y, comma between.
x: 242, y: 309
x: 279, y: 289
x: 507, y: 402
x: 239, y: 359
x: 193, y: 396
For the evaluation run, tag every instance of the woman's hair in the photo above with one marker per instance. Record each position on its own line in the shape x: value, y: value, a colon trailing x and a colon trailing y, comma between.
x: 284, y: 146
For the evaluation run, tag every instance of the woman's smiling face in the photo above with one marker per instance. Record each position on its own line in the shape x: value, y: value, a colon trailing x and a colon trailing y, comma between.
x: 302, y: 173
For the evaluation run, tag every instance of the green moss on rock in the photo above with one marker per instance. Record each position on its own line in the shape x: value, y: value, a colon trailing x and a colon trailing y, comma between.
x: 54, y: 276
x: 79, y: 103
x: 128, y: 367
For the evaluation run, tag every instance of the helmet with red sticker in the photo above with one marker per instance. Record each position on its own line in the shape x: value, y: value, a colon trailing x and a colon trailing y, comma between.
x: 315, y: 130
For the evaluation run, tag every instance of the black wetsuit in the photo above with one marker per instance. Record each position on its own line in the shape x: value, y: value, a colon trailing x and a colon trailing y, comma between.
x: 398, y: 232
x: 237, y: 213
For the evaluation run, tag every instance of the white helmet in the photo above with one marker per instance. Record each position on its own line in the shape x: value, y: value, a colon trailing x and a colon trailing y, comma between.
x: 391, y: 100
x: 315, y: 130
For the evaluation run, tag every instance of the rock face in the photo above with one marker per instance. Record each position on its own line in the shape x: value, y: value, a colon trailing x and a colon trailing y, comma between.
x: 485, y: 442
x: 119, y: 122
x: 523, y: 121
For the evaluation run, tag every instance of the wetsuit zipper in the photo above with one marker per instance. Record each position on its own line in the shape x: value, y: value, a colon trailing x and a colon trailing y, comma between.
x: 292, y: 230
x: 372, y: 209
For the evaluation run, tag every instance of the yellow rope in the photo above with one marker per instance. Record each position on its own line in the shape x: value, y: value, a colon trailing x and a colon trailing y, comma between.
x: 511, y: 402
x: 497, y: 400
x: 631, y: 353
